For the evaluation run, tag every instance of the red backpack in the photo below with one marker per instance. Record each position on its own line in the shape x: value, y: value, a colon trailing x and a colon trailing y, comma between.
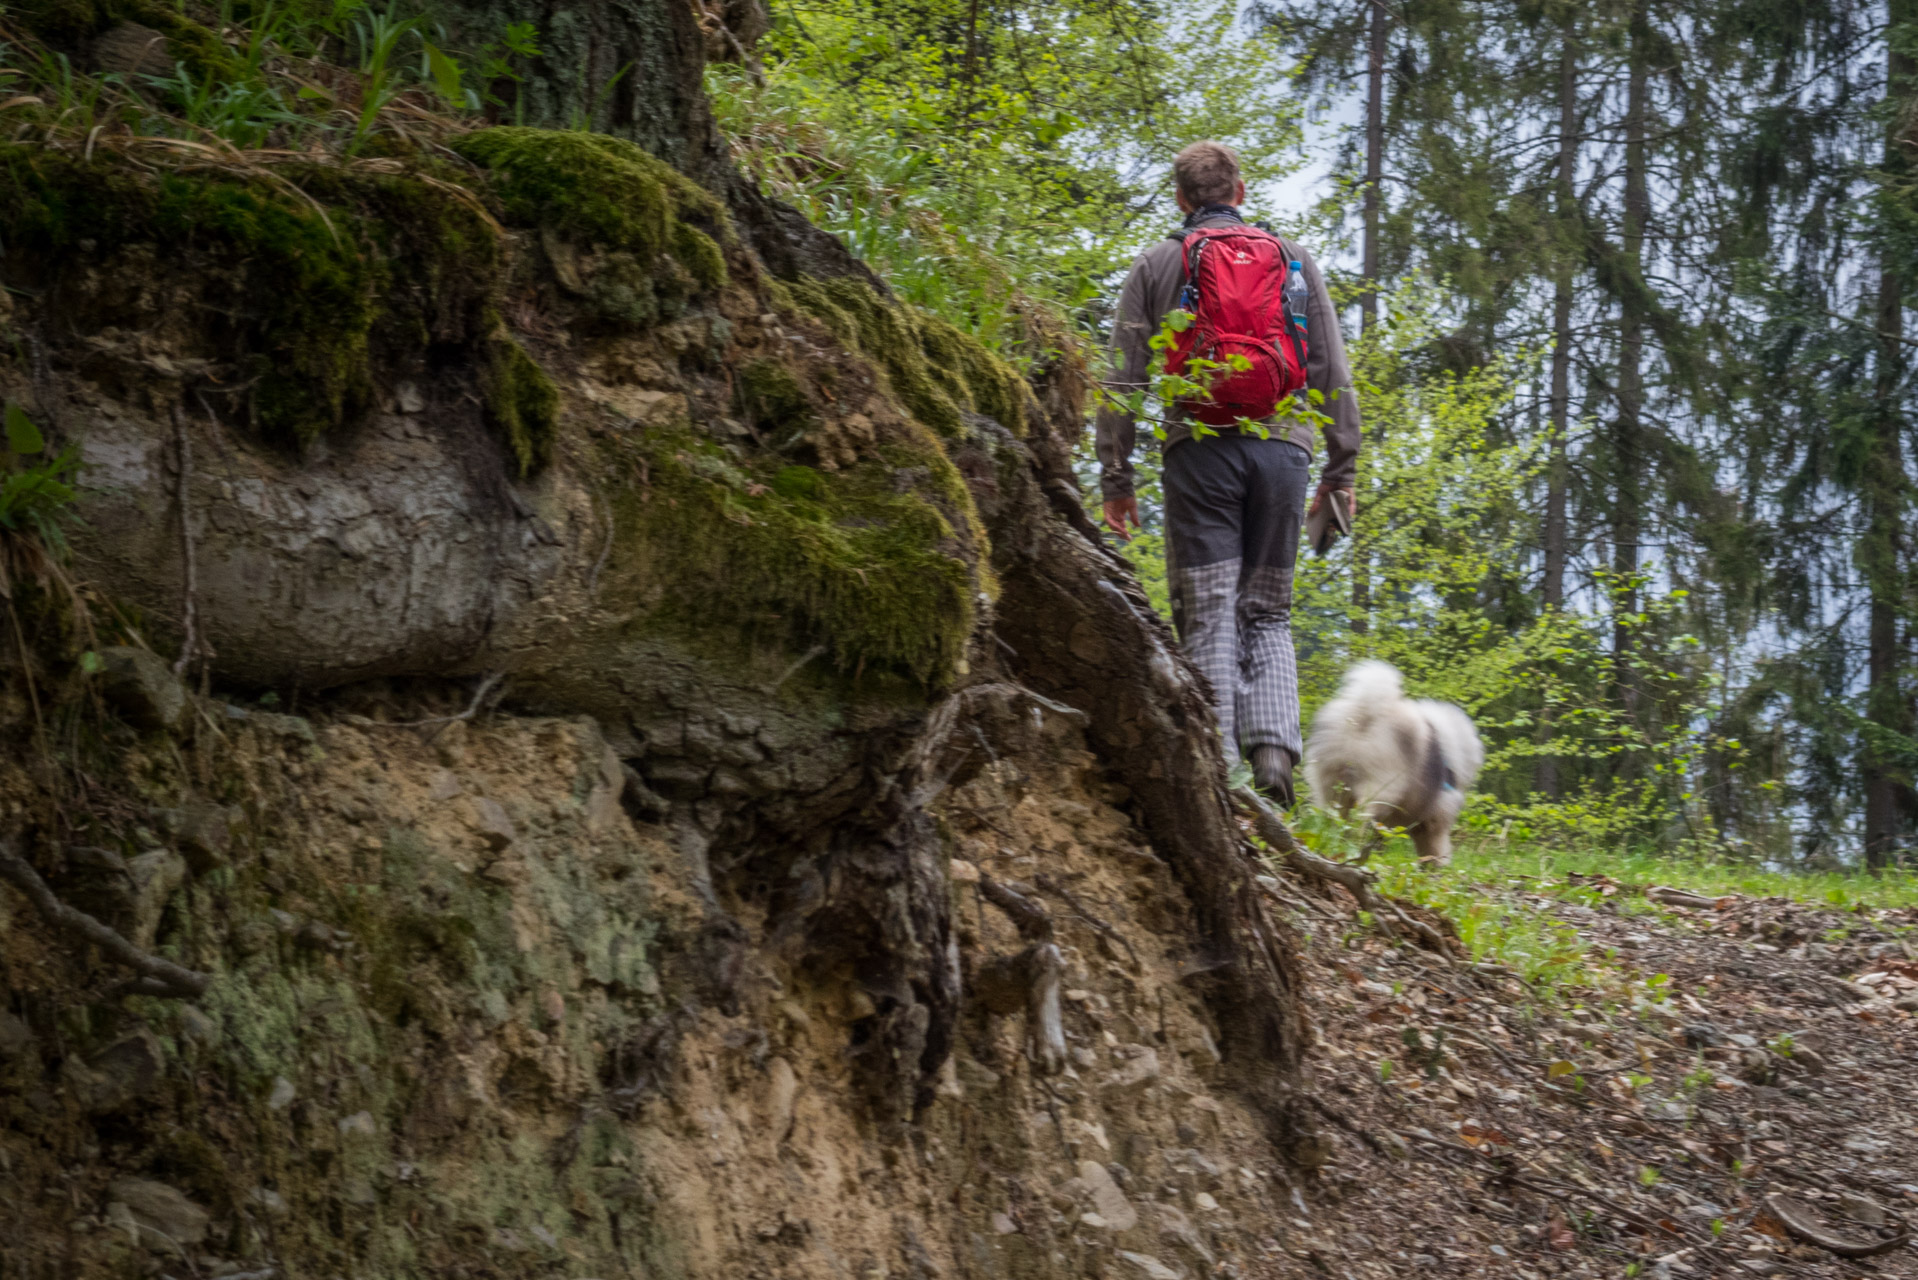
x: 1235, y: 287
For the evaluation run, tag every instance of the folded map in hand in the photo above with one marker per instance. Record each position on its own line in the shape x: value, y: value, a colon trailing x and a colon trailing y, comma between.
x: 1329, y: 523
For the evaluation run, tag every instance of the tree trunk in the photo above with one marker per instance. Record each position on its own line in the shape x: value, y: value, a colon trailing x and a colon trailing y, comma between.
x: 1374, y: 161
x: 1545, y: 778
x: 1881, y: 555
x: 1627, y: 442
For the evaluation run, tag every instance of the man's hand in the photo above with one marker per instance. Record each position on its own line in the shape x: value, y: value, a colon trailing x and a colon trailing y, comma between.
x: 1318, y: 499
x: 1121, y: 512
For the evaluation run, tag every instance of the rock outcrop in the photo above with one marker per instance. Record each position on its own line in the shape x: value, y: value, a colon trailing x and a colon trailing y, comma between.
x: 662, y: 777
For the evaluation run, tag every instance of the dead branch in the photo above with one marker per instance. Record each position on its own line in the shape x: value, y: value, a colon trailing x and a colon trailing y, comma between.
x: 1686, y: 898
x: 1544, y: 1186
x: 1797, y: 1219
x: 1566, y: 1191
x: 158, y: 977
x: 1350, y: 1126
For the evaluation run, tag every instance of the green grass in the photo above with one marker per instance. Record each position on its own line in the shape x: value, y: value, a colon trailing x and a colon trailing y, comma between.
x: 1490, y: 858
x: 1489, y: 890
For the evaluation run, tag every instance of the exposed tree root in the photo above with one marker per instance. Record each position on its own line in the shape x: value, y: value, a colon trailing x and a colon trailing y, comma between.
x: 1078, y: 630
x: 1038, y: 970
x: 1354, y: 879
x: 158, y: 977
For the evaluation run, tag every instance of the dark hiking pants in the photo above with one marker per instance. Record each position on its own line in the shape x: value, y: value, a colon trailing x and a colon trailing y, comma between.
x: 1234, y: 505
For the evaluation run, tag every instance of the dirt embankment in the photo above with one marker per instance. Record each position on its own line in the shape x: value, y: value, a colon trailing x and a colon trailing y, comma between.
x: 816, y: 858
x: 457, y: 1028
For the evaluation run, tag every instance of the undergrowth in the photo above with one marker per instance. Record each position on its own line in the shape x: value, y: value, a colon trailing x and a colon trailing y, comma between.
x: 1492, y: 893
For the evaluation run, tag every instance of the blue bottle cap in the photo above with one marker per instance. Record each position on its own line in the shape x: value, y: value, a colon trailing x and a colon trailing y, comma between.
x: 1298, y: 266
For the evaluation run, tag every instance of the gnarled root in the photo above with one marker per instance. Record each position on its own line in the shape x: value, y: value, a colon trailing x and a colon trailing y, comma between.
x: 1354, y: 879
x: 1033, y: 976
x: 158, y: 977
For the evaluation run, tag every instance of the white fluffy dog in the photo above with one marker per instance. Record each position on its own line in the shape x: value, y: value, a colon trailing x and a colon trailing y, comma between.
x: 1403, y: 762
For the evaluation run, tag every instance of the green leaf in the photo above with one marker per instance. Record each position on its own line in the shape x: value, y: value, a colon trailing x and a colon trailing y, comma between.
x: 446, y: 73
x: 22, y: 435
x: 91, y: 663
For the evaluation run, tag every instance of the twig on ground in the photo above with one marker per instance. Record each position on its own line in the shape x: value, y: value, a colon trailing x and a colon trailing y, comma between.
x: 1344, y: 1122
x: 1547, y: 1186
x: 1686, y: 898
x: 1798, y: 1220
x: 1566, y: 1191
x: 158, y: 977
x: 1518, y: 1068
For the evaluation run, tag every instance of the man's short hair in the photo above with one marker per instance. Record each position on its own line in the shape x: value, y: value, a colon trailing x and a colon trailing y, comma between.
x: 1207, y: 173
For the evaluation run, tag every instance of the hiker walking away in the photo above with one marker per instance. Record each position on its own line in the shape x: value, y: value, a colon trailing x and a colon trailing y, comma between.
x: 1234, y: 503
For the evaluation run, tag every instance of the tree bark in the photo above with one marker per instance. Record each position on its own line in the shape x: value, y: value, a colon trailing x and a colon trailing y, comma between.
x: 1627, y: 429
x: 1545, y: 779
x: 1369, y: 300
x: 1881, y: 554
x: 1374, y: 161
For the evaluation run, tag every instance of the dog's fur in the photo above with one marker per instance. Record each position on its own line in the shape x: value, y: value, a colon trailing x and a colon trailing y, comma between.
x: 1402, y: 762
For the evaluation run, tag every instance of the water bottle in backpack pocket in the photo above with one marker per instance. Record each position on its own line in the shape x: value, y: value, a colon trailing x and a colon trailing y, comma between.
x: 1247, y: 298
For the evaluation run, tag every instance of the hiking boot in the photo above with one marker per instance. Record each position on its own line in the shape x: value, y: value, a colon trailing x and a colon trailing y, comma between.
x: 1272, y: 774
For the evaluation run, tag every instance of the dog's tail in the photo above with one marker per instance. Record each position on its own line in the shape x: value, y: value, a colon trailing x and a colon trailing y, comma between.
x: 1369, y: 687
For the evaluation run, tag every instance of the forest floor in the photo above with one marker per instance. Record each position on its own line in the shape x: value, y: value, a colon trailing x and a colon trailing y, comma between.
x: 1643, y: 1090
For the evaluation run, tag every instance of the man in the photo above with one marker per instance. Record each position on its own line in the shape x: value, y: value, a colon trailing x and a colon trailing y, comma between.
x: 1234, y: 502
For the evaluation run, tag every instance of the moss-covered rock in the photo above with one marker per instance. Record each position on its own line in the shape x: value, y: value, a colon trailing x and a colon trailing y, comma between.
x: 69, y: 24
x: 937, y: 371
x: 861, y: 562
x: 522, y: 403
x: 772, y: 399
x: 316, y: 291
x: 614, y: 199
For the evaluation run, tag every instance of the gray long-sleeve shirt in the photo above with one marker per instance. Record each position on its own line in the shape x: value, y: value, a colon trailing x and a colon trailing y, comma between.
x: 1151, y: 291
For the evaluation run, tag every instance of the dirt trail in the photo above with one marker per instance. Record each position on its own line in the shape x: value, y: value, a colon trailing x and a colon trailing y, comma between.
x: 1506, y: 1137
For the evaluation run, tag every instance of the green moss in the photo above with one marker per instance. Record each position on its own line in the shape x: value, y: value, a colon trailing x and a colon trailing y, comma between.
x: 772, y: 399
x: 700, y: 254
x: 843, y: 560
x: 68, y: 24
x: 319, y: 291
x: 607, y: 194
x: 937, y: 371
x: 522, y: 403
